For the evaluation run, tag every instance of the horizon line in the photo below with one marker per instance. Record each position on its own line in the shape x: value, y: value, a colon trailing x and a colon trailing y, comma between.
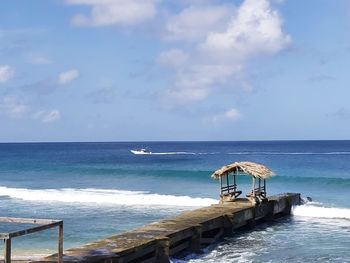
x: 171, y: 141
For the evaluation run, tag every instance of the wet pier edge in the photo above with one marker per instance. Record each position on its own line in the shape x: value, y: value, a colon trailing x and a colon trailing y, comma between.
x: 188, y: 232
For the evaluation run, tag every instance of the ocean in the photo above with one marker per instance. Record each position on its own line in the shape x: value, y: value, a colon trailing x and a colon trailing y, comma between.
x: 100, y: 189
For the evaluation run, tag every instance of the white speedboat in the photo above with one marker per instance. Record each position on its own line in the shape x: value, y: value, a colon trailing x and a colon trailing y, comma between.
x: 140, y: 151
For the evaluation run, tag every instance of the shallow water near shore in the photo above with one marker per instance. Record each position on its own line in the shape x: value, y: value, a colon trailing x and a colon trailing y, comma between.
x: 100, y: 189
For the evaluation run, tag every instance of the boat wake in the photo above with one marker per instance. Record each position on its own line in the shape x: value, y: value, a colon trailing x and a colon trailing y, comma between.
x: 142, y: 152
x: 104, y: 196
x: 172, y: 153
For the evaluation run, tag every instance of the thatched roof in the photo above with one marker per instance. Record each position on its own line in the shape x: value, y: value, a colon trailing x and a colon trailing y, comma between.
x: 250, y: 168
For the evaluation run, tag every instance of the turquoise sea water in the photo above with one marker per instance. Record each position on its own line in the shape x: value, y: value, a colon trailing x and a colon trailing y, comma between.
x: 100, y: 189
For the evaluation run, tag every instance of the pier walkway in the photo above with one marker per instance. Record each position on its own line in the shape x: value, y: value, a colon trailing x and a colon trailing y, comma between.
x: 188, y: 232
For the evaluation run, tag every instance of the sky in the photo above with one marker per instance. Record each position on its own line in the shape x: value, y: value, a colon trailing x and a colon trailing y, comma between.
x: 163, y: 70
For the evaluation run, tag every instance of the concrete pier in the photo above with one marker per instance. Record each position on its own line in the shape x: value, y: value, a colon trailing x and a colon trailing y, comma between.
x: 188, y: 232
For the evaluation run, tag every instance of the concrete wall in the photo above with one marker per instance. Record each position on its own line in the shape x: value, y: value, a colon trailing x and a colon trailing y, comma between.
x: 189, y: 232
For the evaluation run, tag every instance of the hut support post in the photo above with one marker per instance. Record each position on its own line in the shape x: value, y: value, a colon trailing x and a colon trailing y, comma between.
x: 220, y: 185
x: 259, y: 180
x: 265, y: 187
x: 228, y: 183
x: 234, y: 182
x: 253, y: 186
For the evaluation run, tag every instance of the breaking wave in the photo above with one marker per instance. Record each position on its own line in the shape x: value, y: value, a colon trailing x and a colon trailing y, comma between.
x: 316, y: 210
x: 104, y: 196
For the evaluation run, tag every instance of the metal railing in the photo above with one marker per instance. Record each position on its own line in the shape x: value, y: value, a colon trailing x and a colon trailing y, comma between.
x: 43, y: 225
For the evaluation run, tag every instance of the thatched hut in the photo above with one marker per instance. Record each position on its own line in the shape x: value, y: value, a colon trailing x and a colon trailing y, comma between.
x: 228, y: 187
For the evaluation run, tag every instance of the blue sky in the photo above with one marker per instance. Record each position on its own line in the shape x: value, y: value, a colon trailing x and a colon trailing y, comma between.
x: 134, y: 70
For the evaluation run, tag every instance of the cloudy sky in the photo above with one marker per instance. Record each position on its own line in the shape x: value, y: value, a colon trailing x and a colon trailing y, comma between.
x: 134, y: 70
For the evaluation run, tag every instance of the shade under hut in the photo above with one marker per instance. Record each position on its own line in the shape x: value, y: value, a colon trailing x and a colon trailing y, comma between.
x: 228, y: 186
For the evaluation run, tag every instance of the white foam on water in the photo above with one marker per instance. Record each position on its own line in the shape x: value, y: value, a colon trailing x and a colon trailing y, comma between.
x: 104, y: 196
x: 244, y: 153
x: 171, y: 153
x: 316, y: 210
x: 216, y: 256
x: 26, y: 257
x: 175, y: 153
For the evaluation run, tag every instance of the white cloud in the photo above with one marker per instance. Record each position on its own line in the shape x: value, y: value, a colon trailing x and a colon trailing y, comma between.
x: 183, y: 96
x: 68, y: 76
x: 221, y: 58
x: 232, y: 114
x: 173, y: 58
x: 194, y: 81
x: 228, y: 116
x: 212, y: 41
x: 47, y: 115
x: 114, y: 12
x: 39, y: 60
x: 12, y: 107
x: 6, y: 73
x: 257, y: 29
x: 195, y: 22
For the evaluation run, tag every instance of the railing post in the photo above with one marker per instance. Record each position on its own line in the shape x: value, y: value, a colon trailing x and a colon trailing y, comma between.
x: 60, y: 243
x: 7, y: 256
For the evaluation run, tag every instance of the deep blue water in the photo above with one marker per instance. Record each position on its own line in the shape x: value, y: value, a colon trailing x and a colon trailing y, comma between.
x: 106, y: 184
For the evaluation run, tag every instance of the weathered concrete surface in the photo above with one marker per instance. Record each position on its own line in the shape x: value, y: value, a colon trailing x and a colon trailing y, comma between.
x: 188, y: 232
